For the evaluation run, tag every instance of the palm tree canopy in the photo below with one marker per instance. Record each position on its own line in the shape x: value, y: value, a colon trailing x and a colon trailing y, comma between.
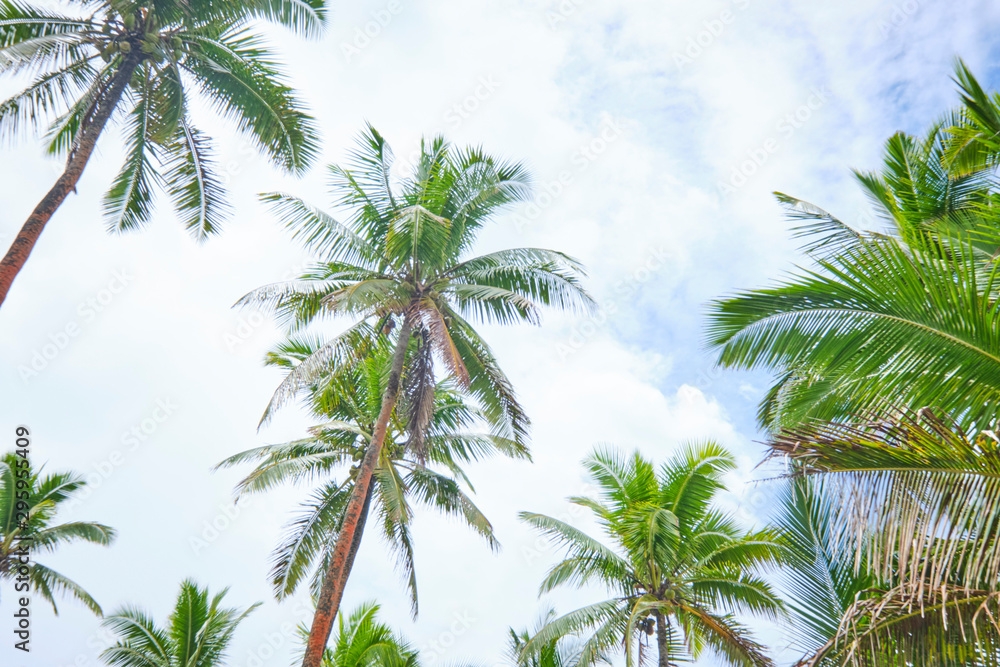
x: 901, y: 318
x: 175, y: 50
x: 362, y: 640
x: 403, y: 255
x: 913, y: 560
x: 39, y: 498
x: 348, y: 403
x: 673, y: 559
x: 198, y: 632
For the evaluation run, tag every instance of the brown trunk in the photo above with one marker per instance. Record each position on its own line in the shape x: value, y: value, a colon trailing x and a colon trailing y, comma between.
x: 358, y: 533
x: 335, y: 580
x: 662, y: 647
x: 16, y: 257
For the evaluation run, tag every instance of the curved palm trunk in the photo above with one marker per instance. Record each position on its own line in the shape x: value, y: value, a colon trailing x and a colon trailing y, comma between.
x: 662, y: 645
x: 17, y: 255
x: 349, y: 539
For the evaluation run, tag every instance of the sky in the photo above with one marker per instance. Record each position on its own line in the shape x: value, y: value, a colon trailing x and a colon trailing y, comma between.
x: 656, y: 132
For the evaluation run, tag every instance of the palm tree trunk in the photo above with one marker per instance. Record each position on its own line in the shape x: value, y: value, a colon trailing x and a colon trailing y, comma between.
x: 662, y: 646
x: 335, y: 580
x: 17, y: 255
x: 358, y: 533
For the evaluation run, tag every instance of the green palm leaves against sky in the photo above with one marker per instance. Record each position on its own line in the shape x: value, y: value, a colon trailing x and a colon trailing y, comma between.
x: 189, y: 48
x: 198, y: 632
x: 348, y: 404
x: 363, y: 641
x: 44, y: 495
x: 146, y: 61
x: 402, y: 255
x: 401, y: 262
x: 904, y: 319
x: 677, y: 568
x: 873, y: 347
x: 913, y: 500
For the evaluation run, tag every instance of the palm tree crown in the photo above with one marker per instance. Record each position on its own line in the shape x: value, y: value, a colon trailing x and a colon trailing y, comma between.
x: 349, y: 403
x: 399, y: 267
x: 361, y: 640
x: 39, y: 533
x: 198, y: 632
x: 152, y: 57
x: 676, y: 566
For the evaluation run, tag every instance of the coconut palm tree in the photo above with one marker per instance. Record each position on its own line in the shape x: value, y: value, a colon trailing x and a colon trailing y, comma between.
x: 363, y: 641
x: 901, y: 318
x: 148, y: 57
x: 819, y: 583
x: 197, y: 634
x: 675, y: 566
x: 28, y: 507
x: 349, y: 404
x: 400, y: 267
x: 901, y: 511
x: 560, y: 652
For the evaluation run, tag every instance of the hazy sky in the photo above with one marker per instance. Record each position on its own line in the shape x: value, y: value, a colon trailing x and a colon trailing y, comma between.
x: 656, y: 131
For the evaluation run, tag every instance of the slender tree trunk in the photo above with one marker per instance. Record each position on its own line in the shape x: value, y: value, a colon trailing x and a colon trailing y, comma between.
x: 662, y: 647
x: 358, y: 533
x: 16, y: 257
x: 335, y: 580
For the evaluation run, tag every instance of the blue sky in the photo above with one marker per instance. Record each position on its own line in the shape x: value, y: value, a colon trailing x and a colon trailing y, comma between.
x: 609, y: 100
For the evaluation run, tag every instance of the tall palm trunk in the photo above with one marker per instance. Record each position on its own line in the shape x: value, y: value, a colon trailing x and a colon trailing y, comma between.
x: 335, y: 580
x: 104, y: 106
x: 662, y: 645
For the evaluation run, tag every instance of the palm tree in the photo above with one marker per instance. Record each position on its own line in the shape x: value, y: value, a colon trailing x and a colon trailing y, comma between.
x: 820, y: 583
x: 148, y: 55
x: 28, y: 507
x: 903, y: 318
x: 560, y: 652
x: 363, y: 641
x: 675, y: 566
x: 400, y: 267
x: 902, y: 513
x: 349, y: 404
x: 197, y: 634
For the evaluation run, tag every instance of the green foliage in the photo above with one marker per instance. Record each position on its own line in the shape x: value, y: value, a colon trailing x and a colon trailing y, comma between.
x: 348, y: 403
x: 43, y: 496
x: 173, y: 51
x: 675, y: 565
x: 198, y: 632
x: 363, y: 641
x: 401, y: 256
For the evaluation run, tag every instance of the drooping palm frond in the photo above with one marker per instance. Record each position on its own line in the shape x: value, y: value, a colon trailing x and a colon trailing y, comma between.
x: 913, y: 495
x: 874, y: 325
x: 158, y: 54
